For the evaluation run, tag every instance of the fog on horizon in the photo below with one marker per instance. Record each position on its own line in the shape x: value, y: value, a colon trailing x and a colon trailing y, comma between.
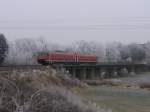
x: 66, y: 21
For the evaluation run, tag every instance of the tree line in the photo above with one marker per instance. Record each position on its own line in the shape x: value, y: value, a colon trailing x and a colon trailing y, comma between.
x: 25, y: 50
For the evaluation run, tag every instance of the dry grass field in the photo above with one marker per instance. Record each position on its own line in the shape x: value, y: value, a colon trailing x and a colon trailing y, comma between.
x: 131, y: 98
x: 55, y: 91
x: 41, y: 91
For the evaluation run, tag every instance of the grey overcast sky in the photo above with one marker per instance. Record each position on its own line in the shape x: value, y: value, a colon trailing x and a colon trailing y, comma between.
x: 65, y: 21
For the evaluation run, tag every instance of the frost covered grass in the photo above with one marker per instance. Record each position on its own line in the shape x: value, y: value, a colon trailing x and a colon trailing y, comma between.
x: 125, y: 94
x: 118, y: 99
x: 41, y: 91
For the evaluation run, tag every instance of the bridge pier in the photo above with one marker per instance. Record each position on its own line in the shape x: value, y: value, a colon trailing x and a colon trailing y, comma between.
x: 131, y: 71
x: 84, y: 72
x: 78, y: 73
x: 111, y: 72
x: 140, y: 69
x: 102, y: 73
x: 108, y: 73
x: 137, y: 70
x: 93, y: 74
x: 125, y: 71
x: 98, y: 73
x: 73, y: 72
x: 114, y: 73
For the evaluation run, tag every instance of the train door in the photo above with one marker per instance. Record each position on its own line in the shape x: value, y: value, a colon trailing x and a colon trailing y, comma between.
x: 50, y: 58
x: 76, y: 57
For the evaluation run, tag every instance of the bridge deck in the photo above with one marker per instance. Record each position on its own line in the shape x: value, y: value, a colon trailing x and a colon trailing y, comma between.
x: 99, y: 65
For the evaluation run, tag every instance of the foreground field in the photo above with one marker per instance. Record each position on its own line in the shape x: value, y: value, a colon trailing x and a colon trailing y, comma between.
x: 41, y: 91
x: 120, y: 99
x: 51, y: 90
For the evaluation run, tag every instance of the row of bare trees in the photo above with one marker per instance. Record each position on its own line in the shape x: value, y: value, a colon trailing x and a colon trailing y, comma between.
x: 114, y: 52
x: 24, y: 51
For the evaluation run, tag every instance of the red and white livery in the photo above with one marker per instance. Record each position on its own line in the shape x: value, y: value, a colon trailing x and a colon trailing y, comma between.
x: 65, y: 57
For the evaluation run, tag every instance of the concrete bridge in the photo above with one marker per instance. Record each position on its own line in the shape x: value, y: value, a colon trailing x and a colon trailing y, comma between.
x: 101, y: 70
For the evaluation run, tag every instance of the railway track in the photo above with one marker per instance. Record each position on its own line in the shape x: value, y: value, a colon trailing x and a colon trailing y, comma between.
x: 21, y: 67
x: 41, y: 67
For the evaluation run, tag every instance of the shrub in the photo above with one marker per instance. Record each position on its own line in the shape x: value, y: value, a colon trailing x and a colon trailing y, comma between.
x: 145, y: 85
x: 39, y: 91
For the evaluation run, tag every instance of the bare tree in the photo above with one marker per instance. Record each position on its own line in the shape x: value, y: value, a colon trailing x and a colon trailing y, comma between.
x: 112, y: 52
x: 12, y: 54
x: 22, y: 51
x: 137, y: 52
x: 3, y: 48
x: 124, y: 52
x: 85, y: 47
x: 146, y: 47
x: 42, y: 44
x: 25, y: 50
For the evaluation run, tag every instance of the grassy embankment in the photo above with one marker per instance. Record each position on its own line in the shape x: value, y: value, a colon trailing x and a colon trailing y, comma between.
x: 121, y: 99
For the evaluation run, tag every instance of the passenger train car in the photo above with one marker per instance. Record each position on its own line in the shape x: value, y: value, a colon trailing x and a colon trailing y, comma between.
x: 65, y: 58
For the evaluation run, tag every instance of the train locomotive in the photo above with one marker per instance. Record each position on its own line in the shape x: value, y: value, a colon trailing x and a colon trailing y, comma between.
x: 65, y: 58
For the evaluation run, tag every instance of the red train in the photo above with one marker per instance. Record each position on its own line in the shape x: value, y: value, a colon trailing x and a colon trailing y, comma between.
x: 63, y: 57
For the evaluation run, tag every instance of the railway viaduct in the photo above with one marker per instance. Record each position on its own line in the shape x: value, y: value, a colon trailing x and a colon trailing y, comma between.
x: 106, y: 70
x: 90, y: 71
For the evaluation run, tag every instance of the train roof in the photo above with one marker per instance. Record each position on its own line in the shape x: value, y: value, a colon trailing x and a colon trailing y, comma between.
x: 70, y: 53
